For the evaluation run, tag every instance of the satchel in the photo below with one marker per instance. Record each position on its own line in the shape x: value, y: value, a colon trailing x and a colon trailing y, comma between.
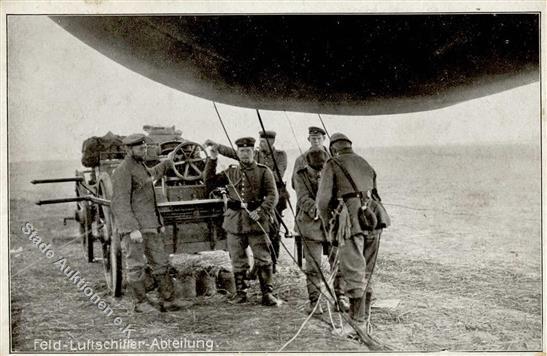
x: 372, y: 214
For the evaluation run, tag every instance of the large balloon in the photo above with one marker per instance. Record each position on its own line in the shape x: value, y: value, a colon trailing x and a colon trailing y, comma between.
x: 337, y: 64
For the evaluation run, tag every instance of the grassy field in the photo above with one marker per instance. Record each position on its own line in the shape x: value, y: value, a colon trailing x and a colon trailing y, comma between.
x: 463, y: 257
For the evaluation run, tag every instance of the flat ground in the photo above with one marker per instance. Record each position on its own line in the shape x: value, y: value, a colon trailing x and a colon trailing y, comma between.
x: 463, y: 257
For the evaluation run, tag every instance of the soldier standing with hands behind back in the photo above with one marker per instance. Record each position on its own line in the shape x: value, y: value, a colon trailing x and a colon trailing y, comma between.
x: 140, y: 226
x: 253, y: 196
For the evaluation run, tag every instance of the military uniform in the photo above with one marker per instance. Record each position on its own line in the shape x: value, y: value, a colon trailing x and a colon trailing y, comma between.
x: 310, y: 227
x: 266, y: 158
x: 300, y: 161
x: 359, y: 251
x: 134, y: 209
x: 251, y: 187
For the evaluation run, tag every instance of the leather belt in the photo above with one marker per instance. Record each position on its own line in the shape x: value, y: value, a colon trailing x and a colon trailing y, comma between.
x: 359, y: 195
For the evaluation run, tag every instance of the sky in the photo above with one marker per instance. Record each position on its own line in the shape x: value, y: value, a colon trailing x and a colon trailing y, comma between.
x: 61, y: 91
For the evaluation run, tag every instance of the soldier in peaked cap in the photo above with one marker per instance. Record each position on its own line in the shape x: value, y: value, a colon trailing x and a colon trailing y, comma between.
x: 316, y: 137
x: 349, y: 178
x: 312, y: 230
x: 139, y: 224
x: 268, y: 155
x: 252, y: 199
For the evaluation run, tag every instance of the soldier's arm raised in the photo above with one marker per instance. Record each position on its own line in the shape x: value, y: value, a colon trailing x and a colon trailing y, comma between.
x: 212, y: 179
x: 325, y: 192
x: 121, y: 201
x: 305, y: 199
x: 227, y: 151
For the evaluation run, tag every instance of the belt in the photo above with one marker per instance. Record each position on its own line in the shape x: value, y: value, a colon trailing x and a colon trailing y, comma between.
x: 237, y: 205
x: 359, y: 195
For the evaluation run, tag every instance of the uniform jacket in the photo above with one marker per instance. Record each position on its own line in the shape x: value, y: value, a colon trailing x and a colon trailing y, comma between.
x: 254, y: 185
x: 334, y: 184
x: 262, y: 157
x: 306, y: 182
x: 301, y: 162
x: 133, y: 196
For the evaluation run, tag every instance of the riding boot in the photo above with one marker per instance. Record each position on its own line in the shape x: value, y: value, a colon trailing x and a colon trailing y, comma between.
x: 367, y: 306
x: 356, y: 309
x: 140, y: 302
x: 312, y: 282
x: 241, y: 287
x: 265, y: 275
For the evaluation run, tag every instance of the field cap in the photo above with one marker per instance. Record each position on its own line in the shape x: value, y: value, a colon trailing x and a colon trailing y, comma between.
x: 134, y: 139
x: 245, y: 142
x: 338, y: 137
x: 267, y: 134
x: 314, y: 130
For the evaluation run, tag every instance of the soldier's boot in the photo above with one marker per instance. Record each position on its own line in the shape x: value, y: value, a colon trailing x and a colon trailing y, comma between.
x: 339, y: 286
x: 265, y: 276
x: 141, y: 302
x: 241, y: 287
x: 367, y: 311
x: 275, y: 251
x: 166, y: 290
x: 356, y: 314
x: 313, y: 295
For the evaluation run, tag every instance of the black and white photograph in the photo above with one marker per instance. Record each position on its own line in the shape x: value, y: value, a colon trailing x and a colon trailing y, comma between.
x: 311, y: 179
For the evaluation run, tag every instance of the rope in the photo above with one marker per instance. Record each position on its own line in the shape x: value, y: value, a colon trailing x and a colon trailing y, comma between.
x: 281, y: 241
x: 367, y: 339
x: 268, y: 241
x: 293, y: 133
x: 324, y: 127
x: 363, y: 336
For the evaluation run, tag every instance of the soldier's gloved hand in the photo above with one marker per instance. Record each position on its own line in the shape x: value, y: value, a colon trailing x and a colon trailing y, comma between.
x: 136, y: 236
x: 255, y: 214
x: 162, y: 229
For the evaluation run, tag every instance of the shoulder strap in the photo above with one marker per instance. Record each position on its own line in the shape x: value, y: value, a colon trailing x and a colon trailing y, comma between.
x: 346, y: 173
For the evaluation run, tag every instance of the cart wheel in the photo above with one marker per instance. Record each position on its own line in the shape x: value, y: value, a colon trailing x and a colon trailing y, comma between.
x: 83, y: 215
x: 112, y: 253
x: 189, y: 161
x: 112, y: 263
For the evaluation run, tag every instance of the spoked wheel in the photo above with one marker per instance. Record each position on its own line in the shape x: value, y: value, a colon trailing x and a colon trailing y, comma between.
x: 112, y: 252
x: 189, y: 161
x: 83, y: 216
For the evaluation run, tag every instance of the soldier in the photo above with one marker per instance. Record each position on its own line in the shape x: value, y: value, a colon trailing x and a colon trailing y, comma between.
x: 263, y: 155
x: 310, y: 227
x: 253, y: 196
x: 316, y: 137
x: 139, y: 224
x: 359, y: 250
